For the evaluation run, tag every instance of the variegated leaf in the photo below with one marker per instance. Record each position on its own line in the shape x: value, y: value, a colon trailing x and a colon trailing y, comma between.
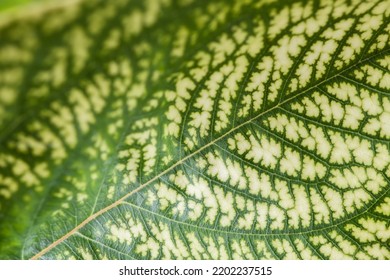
x: 164, y: 129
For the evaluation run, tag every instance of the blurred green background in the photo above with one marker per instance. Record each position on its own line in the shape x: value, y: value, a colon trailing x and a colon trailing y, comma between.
x: 12, y: 4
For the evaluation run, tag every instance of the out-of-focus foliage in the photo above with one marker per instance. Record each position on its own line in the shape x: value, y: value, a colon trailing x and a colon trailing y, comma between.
x: 16, y: 4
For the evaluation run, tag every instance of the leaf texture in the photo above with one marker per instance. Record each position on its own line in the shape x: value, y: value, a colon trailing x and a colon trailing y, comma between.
x: 165, y: 129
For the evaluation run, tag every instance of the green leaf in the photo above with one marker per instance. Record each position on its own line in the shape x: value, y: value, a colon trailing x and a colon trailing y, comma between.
x: 196, y: 130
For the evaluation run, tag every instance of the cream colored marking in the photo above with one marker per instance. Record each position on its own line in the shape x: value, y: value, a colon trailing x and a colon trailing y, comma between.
x: 173, y: 166
x: 279, y: 22
x: 334, y: 201
x: 382, y: 157
x: 226, y: 206
x: 384, y: 207
x: 302, y: 205
x: 196, y: 247
x: 284, y: 198
x: 359, y: 233
x: 333, y: 253
x: 291, y: 162
x: 217, y: 167
x: 377, y: 251
x: 304, y: 250
x: 379, y: 228
x: 312, y: 170
x: 277, y: 217
x: 195, y: 210
x: 263, y: 150
x: 262, y: 215
x: 346, y: 246
x: 320, y: 209
x: 371, y: 104
x: 263, y: 250
x: 86, y: 255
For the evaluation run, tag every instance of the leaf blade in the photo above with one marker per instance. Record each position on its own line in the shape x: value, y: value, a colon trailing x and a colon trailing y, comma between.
x: 256, y: 176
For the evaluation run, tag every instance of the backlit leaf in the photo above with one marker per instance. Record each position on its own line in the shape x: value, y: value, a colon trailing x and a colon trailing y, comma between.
x: 164, y: 129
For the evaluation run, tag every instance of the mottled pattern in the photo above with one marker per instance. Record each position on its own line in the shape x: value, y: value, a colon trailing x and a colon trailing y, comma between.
x: 164, y: 129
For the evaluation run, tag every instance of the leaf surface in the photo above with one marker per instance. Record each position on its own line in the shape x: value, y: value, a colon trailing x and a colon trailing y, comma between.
x: 196, y: 130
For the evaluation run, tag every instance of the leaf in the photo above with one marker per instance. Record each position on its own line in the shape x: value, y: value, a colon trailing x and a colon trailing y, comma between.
x: 196, y: 130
